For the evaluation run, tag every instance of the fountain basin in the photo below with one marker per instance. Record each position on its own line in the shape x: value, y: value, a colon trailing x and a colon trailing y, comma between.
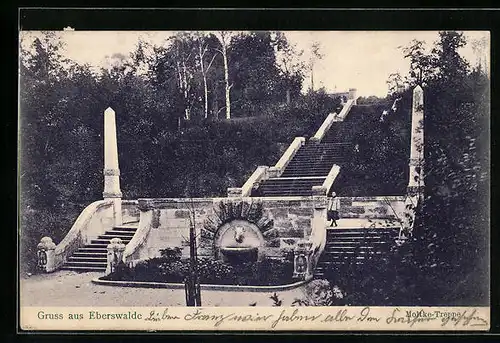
x: 239, y: 254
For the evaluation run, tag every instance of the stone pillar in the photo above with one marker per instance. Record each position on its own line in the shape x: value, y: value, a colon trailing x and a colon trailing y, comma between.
x: 115, y: 254
x: 111, y: 170
x: 302, y: 266
x: 319, y: 219
x: 416, y: 179
x: 353, y: 94
x: 46, y: 255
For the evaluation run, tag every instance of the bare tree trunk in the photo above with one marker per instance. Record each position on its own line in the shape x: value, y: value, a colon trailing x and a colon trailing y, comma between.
x: 226, y: 77
x: 312, y: 78
x: 201, y: 54
x: 205, y: 92
x: 288, y: 95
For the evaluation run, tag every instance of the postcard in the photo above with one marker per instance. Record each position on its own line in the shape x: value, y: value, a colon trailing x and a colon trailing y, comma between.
x: 254, y: 180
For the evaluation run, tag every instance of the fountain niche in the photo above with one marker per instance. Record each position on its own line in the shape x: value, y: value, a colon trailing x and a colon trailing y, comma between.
x: 239, y: 241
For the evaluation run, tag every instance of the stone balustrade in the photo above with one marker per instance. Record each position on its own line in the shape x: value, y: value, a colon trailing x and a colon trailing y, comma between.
x: 264, y: 172
x: 115, y: 254
x: 333, y: 117
x: 288, y: 155
x: 324, y: 188
x: 94, y: 220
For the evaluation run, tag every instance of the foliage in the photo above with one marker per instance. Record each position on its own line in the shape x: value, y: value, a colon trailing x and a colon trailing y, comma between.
x: 276, y: 300
x: 320, y: 292
x: 171, y: 254
x: 167, y: 269
x: 446, y: 260
x: 61, y: 126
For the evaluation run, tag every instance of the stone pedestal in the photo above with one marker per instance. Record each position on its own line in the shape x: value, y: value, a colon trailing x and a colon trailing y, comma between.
x: 416, y: 177
x: 115, y: 254
x: 46, y: 255
x: 302, y: 266
x: 353, y: 95
x: 111, y: 170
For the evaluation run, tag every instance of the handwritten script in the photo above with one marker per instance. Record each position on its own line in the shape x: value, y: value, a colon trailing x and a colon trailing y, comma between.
x: 297, y: 315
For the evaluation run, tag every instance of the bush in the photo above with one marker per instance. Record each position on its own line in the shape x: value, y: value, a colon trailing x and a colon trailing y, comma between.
x: 165, y: 269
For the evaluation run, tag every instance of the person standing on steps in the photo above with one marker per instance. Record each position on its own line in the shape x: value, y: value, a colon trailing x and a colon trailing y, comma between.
x: 332, y: 213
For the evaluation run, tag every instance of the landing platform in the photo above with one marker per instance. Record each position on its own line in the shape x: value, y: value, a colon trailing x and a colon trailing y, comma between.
x: 356, y: 223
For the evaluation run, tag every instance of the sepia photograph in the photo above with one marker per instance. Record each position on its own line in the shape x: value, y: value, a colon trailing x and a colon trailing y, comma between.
x: 175, y: 170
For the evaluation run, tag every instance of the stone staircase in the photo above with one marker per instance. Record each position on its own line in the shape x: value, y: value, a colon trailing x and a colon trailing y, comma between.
x: 354, y: 246
x: 93, y: 256
x: 313, y: 161
x: 316, y: 159
x: 291, y: 186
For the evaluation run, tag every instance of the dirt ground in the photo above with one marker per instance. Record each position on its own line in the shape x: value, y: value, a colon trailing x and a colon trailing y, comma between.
x: 68, y: 288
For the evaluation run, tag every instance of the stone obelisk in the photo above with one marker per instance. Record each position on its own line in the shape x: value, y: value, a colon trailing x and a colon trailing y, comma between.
x: 416, y: 180
x: 111, y: 170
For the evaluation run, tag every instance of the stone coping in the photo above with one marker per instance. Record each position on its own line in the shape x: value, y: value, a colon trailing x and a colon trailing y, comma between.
x: 375, y: 198
x: 172, y: 203
x: 207, y: 287
x: 270, y: 198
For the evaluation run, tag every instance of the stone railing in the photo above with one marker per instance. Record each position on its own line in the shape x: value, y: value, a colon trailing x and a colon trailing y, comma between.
x: 130, y: 211
x: 289, y: 154
x: 333, y: 117
x: 93, y: 221
x: 260, y: 174
x: 264, y: 172
x: 307, y: 252
x: 133, y: 249
x: 407, y: 216
x: 372, y: 207
x: 328, y: 183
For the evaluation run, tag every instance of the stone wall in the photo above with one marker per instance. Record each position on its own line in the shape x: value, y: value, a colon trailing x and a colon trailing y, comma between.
x: 381, y: 207
x: 283, y: 222
x: 165, y: 223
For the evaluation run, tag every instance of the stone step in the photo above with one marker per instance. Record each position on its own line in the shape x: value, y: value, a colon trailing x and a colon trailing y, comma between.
x: 98, y: 246
x: 86, y: 264
x: 84, y: 268
x: 350, y: 247
x: 358, y: 241
x: 85, y: 254
x: 89, y: 249
x: 318, y: 166
x: 359, y: 236
x: 335, y: 252
x: 305, y: 173
x: 126, y: 228
x: 109, y: 236
x: 106, y: 241
x: 95, y: 258
x: 360, y: 232
x: 119, y: 232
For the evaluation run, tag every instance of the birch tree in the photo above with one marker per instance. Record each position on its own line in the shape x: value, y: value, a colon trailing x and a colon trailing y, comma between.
x: 183, y: 55
x: 225, y: 39
x: 203, y: 48
x: 315, y: 56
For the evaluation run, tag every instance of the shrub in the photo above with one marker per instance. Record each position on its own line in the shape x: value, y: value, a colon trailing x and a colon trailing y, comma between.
x: 167, y: 269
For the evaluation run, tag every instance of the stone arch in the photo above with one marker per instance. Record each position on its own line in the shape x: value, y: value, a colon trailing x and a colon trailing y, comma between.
x: 238, y: 224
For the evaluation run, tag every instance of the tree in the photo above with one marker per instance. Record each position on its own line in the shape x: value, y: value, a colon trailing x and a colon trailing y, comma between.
x: 255, y: 74
x: 203, y: 48
x: 182, y: 47
x: 450, y: 238
x: 290, y: 64
x: 315, y: 56
x: 395, y: 83
x: 225, y: 40
x: 422, y: 65
x: 451, y: 67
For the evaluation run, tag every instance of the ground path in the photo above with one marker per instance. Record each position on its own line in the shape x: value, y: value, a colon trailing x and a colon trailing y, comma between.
x: 69, y: 288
